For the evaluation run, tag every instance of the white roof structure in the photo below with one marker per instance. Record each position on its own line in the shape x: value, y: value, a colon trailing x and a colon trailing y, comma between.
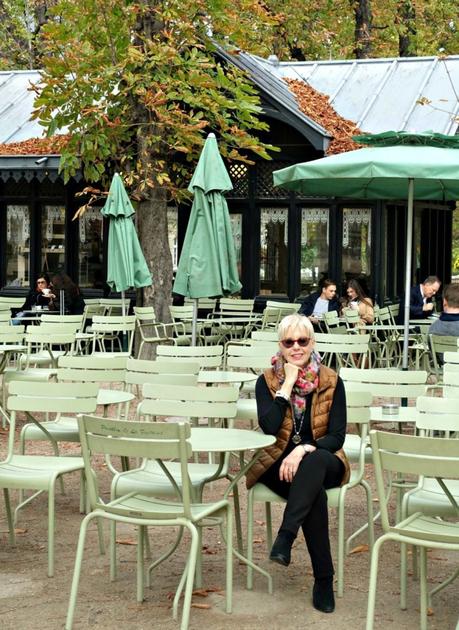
x: 16, y: 105
x: 383, y: 94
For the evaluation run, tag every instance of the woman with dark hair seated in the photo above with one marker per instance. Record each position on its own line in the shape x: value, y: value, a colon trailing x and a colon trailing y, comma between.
x: 73, y: 300
x: 39, y: 296
x: 358, y: 300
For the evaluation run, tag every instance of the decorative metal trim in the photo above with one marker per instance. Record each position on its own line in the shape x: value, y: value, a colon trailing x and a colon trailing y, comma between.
x: 355, y: 215
x: 314, y: 215
x: 53, y: 213
x: 90, y: 215
x: 20, y: 213
x: 274, y: 215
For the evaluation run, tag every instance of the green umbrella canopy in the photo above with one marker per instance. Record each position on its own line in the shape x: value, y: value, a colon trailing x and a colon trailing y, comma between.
x: 397, y: 165
x: 382, y: 170
x: 126, y: 263
x: 207, y: 265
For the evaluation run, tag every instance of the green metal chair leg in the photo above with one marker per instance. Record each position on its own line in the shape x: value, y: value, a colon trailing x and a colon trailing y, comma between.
x: 373, y: 582
x: 77, y: 571
x: 9, y: 516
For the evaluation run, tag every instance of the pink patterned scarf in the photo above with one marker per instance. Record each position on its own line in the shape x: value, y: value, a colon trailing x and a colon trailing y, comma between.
x: 307, y: 381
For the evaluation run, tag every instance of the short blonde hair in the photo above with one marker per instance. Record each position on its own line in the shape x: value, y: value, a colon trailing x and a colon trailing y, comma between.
x: 297, y: 322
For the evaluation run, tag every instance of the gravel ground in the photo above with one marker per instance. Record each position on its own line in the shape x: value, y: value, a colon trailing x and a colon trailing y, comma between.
x: 31, y: 600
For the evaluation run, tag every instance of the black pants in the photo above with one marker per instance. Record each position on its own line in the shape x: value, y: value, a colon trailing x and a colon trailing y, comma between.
x: 307, y: 503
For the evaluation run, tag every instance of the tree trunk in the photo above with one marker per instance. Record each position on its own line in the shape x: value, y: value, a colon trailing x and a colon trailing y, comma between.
x: 406, y: 17
x: 362, y: 31
x: 153, y: 235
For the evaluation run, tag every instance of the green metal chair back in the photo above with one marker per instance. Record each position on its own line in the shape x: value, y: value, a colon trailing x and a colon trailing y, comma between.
x: 139, y: 372
x: 109, y: 327
x: 158, y: 441
x: 94, y: 369
x: 5, y: 316
x: 439, y: 344
x: 381, y: 382
x: 189, y: 402
x: 206, y: 356
x: 11, y: 334
x: 346, y: 349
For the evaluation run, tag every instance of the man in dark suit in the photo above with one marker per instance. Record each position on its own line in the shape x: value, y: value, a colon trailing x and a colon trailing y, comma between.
x: 421, y: 305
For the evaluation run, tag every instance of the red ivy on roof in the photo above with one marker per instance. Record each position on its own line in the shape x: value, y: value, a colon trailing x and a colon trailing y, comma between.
x: 317, y: 106
x: 36, y: 146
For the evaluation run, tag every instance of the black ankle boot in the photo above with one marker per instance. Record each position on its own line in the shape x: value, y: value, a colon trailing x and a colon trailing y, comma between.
x: 281, y: 550
x: 323, y: 598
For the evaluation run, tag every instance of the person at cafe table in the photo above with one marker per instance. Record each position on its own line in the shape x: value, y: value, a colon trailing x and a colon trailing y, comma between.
x: 421, y: 304
x: 316, y: 304
x: 40, y: 296
x: 303, y: 404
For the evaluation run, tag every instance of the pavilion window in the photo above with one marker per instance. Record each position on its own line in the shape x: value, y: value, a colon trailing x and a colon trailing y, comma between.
x: 17, y: 245
x: 53, y: 239
x: 356, y: 253
x: 273, y: 250
x: 315, y: 229
x: 90, y: 254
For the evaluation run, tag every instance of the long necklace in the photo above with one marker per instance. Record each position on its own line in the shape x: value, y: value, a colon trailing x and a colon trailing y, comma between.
x: 296, y: 438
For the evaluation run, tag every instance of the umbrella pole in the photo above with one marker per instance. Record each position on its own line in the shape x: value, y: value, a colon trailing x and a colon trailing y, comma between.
x: 194, y: 323
x: 123, y: 335
x: 409, y: 247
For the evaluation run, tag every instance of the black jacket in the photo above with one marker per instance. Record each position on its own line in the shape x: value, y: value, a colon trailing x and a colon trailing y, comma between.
x: 416, y: 304
x: 307, y: 305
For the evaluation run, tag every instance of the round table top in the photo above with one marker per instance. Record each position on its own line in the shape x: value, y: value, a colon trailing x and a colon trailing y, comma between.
x: 222, y: 440
x: 113, y: 397
x: 225, y: 376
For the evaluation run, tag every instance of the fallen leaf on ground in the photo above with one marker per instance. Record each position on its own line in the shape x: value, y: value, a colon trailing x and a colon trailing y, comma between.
x: 359, y: 549
x: 204, y: 606
x: 430, y: 612
x: 126, y: 541
x: 260, y: 522
x: 200, y: 592
x: 19, y: 531
x: 257, y: 541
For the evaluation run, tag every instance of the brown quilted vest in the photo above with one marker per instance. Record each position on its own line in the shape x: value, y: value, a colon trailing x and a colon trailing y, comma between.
x: 321, y: 402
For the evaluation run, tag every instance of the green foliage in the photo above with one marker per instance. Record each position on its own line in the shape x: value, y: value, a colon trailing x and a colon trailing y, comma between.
x: 138, y: 88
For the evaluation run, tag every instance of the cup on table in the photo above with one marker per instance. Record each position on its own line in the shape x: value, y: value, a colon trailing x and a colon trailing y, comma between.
x: 46, y: 292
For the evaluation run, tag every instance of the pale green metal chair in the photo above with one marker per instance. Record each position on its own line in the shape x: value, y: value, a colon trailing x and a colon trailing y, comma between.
x: 159, y: 442
x: 358, y: 407
x: 63, y: 428
x: 421, y: 456
x: 394, y: 385
x: 141, y: 371
x: 47, y: 342
x: 217, y: 405
x: 439, y: 344
x: 346, y: 350
x: 334, y: 324
x: 206, y: 356
x: 115, y: 330
x: 434, y: 416
x: 40, y: 473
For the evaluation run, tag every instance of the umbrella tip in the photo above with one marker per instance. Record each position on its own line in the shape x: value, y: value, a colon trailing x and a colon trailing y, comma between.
x: 211, y: 135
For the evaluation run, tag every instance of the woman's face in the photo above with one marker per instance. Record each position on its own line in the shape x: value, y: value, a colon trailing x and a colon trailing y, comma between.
x: 299, y: 352
x: 41, y: 284
x: 351, y: 293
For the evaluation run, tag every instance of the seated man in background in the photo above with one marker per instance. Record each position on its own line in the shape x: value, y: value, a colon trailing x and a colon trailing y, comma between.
x: 448, y: 322
x: 421, y: 305
x: 316, y: 304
